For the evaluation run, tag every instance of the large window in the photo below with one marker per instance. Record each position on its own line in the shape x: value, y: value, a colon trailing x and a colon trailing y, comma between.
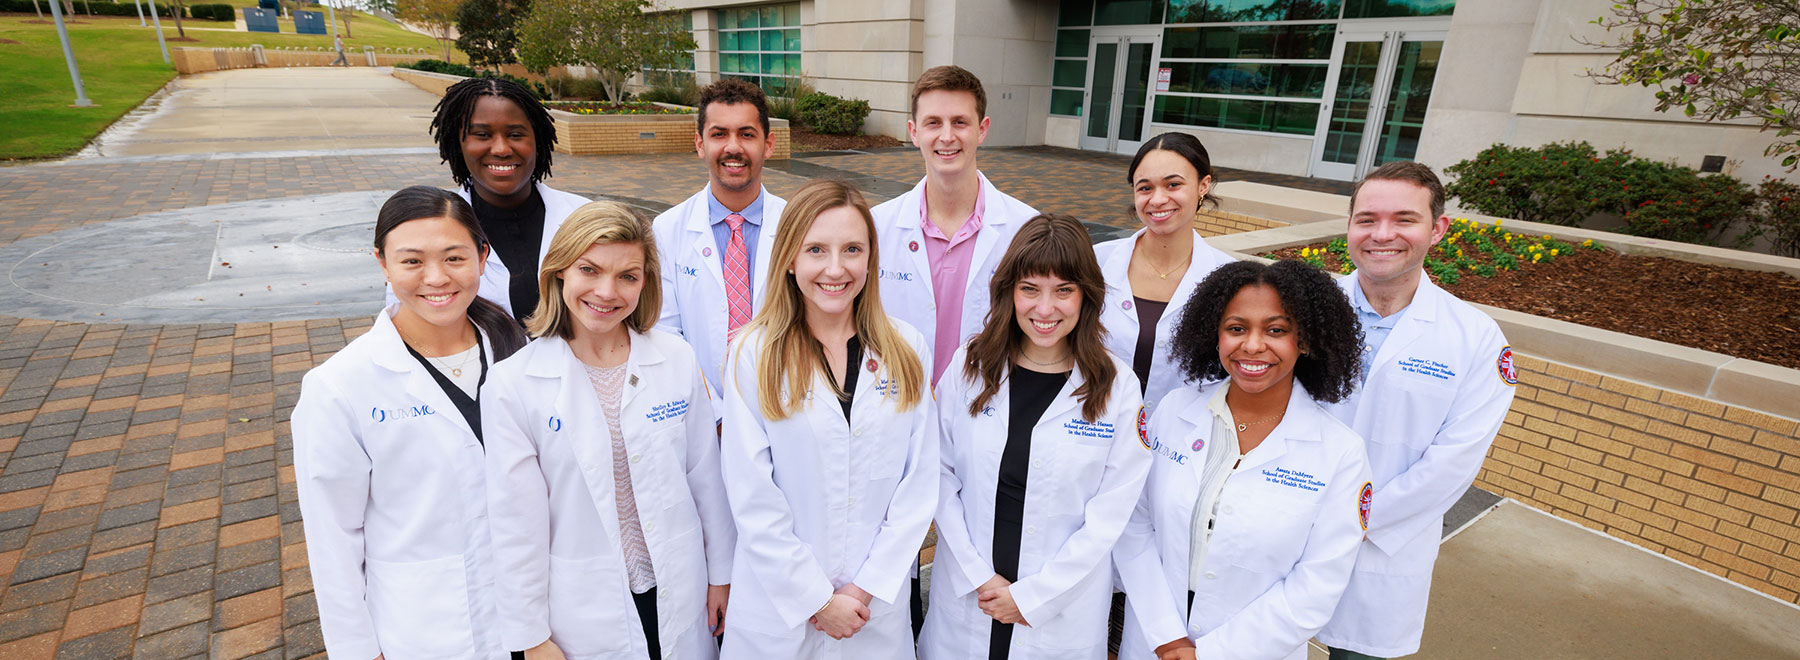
x: 1251, y: 65
x: 679, y: 71
x: 761, y: 45
x: 1265, y: 78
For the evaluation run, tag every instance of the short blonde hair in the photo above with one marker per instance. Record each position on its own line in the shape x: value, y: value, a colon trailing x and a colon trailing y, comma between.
x: 595, y: 223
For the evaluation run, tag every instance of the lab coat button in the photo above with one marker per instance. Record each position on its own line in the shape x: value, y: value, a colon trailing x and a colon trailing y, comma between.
x: 852, y: 501
x: 1227, y: 509
x: 650, y: 526
x: 1031, y: 530
x: 1037, y: 462
x: 1211, y: 575
x: 637, y: 457
x: 857, y: 433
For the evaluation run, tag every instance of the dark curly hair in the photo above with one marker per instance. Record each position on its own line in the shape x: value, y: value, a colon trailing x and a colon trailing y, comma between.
x: 1330, y: 335
x: 457, y: 109
x: 731, y: 91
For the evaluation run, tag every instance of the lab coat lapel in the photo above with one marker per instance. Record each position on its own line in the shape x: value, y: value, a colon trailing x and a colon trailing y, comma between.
x: 637, y: 364
x: 419, y: 383
x: 1116, y: 272
x: 700, y: 238
x: 1064, y: 402
x: 578, y: 413
x: 1199, y: 266
x: 993, y: 219
x: 1415, y: 324
x: 912, y: 233
x: 1299, y: 424
x: 765, y: 249
x: 557, y: 207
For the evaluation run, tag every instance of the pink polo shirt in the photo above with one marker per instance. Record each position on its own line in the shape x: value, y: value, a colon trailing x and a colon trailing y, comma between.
x: 949, y: 259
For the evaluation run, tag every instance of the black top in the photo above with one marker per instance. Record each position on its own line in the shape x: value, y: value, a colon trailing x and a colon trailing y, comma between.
x: 516, y: 235
x: 852, y: 365
x: 1031, y: 394
x: 1149, y: 312
x: 470, y: 408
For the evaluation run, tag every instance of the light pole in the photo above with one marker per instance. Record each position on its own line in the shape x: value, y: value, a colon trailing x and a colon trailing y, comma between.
x: 157, y: 19
x: 81, y: 99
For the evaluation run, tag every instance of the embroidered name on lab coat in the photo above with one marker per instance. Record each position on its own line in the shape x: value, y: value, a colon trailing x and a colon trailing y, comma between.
x: 1426, y: 367
x: 404, y: 412
x: 1085, y: 429
x: 1156, y: 446
x: 665, y: 411
x: 1292, y: 479
x: 886, y: 387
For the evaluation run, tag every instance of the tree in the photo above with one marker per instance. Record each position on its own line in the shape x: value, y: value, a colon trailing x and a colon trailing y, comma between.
x: 378, y: 5
x: 615, y: 37
x: 176, y: 9
x: 486, y: 30
x: 437, y: 16
x: 1713, y: 59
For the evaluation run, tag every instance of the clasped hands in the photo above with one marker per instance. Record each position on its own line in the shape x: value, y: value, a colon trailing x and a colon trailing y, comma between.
x: 995, y: 599
x: 844, y: 613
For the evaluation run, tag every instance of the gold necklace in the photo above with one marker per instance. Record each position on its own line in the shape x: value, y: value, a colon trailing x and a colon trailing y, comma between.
x: 1048, y: 365
x: 456, y: 371
x: 1164, y: 274
x: 1246, y: 425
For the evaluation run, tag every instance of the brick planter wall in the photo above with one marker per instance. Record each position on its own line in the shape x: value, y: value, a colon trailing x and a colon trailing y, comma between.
x: 593, y: 135
x: 201, y: 60
x: 1713, y: 485
x: 1214, y: 222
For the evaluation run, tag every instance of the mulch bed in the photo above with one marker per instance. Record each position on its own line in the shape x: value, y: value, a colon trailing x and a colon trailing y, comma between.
x: 7, y: 41
x: 803, y: 139
x: 1746, y: 314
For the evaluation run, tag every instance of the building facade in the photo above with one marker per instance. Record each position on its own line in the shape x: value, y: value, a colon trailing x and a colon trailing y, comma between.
x: 1322, y: 88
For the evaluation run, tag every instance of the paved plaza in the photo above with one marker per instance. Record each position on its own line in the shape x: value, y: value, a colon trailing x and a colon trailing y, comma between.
x: 147, y: 498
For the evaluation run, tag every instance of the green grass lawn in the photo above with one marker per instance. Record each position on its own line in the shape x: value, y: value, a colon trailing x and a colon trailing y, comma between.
x: 121, y: 66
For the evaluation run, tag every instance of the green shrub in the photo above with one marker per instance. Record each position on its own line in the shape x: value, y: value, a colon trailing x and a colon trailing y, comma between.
x: 1775, y: 215
x: 96, y: 8
x: 1569, y: 184
x: 671, y: 88
x: 213, y: 12
x: 832, y: 115
x: 785, y: 94
x: 440, y: 66
x: 570, y: 87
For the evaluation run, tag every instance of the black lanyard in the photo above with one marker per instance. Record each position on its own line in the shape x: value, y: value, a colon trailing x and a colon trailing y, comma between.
x: 469, y: 407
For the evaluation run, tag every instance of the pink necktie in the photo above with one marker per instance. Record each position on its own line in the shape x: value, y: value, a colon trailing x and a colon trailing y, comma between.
x: 737, y: 276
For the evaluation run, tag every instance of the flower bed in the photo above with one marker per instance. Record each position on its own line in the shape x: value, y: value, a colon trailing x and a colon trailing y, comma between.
x: 1749, y: 314
x: 607, y: 108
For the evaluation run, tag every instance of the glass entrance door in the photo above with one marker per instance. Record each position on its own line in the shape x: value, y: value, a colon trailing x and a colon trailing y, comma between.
x: 1382, y: 85
x: 1118, y: 92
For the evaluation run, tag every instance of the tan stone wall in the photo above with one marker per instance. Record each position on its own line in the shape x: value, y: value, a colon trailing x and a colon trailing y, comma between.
x: 1213, y: 222
x: 1711, y: 485
x: 629, y: 137
x: 200, y: 60
x: 434, y: 83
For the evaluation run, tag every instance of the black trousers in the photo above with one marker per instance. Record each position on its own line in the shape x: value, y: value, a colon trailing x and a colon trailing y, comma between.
x: 646, y: 607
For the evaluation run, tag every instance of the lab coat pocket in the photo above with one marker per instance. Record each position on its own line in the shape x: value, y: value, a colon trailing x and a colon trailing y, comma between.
x: 421, y: 608
x: 587, y: 610
x: 1423, y: 397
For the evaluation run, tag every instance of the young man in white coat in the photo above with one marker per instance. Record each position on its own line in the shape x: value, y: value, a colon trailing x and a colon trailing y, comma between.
x: 945, y: 237
x: 715, y: 245
x: 1438, y: 379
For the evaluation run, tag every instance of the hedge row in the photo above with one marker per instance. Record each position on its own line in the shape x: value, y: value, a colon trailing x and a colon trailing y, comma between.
x: 454, y: 69
x: 102, y: 8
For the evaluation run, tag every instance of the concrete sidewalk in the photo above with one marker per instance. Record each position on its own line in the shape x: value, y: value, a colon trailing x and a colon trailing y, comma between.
x: 256, y: 110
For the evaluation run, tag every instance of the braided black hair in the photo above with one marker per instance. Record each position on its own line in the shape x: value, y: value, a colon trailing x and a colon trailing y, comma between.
x: 456, y: 109
x: 1328, y: 329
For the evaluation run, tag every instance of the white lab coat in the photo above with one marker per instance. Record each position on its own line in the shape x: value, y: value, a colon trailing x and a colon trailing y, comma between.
x: 1430, y: 408
x: 391, y: 487
x: 821, y: 503
x: 555, y: 522
x: 1083, y: 482
x: 495, y: 280
x: 906, y: 287
x: 1282, y: 545
x: 1120, y: 315
x: 693, y: 277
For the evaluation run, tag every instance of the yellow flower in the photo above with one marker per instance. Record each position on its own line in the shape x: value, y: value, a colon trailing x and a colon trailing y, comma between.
x: 1496, y: 222
x: 1553, y: 252
x: 1536, y: 257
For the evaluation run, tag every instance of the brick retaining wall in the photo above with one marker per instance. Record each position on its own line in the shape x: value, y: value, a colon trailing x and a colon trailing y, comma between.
x: 1214, y: 222
x: 1712, y: 485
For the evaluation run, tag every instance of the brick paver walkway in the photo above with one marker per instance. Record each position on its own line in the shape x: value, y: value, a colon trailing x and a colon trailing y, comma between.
x: 147, y: 502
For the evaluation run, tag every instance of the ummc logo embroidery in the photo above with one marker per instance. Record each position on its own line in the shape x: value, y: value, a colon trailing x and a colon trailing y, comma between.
x: 555, y: 424
x: 380, y: 414
x: 896, y: 275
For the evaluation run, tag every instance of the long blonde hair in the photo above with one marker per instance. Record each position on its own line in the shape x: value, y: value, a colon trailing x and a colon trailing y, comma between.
x: 788, y: 353
x: 595, y: 223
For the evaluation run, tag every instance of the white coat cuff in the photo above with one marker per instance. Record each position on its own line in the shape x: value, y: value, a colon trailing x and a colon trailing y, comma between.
x: 1030, y: 604
x: 362, y: 647
x: 520, y: 639
x: 1392, y: 539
